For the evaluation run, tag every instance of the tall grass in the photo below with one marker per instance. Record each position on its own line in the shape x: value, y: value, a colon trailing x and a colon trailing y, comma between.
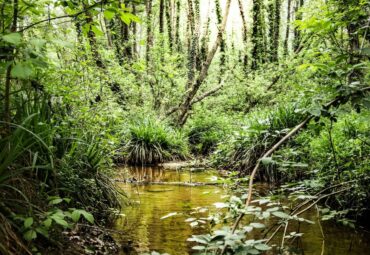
x: 40, y: 158
x: 151, y: 142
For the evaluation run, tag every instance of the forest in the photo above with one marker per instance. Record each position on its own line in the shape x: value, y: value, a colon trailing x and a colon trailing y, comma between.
x: 185, y: 127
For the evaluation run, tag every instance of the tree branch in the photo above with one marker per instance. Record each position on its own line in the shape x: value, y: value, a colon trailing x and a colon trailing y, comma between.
x: 64, y: 16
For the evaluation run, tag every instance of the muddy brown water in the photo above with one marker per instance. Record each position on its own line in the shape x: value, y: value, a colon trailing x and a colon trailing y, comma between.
x: 143, y: 228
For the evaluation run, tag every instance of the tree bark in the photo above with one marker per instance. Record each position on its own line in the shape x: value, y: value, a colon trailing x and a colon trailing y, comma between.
x: 177, y: 32
x: 245, y: 34
x: 276, y: 33
x: 223, y: 43
x: 287, y: 32
x: 185, y: 104
x: 149, y: 32
x: 13, y: 29
x: 257, y: 35
x: 169, y: 25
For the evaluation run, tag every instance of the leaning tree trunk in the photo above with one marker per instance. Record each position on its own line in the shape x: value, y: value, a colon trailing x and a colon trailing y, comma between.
x: 190, y: 94
x: 192, y: 47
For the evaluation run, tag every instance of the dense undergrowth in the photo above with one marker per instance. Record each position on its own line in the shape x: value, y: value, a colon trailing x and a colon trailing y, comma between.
x: 92, y: 91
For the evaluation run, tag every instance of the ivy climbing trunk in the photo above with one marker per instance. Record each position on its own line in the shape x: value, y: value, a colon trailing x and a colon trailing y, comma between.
x: 287, y: 32
x: 192, y: 91
x: 245, y: 35
x: 223, y: 43
x: 169, y: 25
x: 10, y: 58
x: 276, y: 32
x: 257, y: 34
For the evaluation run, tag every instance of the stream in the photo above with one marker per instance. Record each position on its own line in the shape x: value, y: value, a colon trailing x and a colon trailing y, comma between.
x: 155, y: 218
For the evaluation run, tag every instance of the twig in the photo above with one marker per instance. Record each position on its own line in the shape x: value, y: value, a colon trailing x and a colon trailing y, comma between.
x: 322, y: 231
x: 64, y: 16
x: 283, y: 239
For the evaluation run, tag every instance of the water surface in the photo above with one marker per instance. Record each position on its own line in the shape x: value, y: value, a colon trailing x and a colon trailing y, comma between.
x: 143, y: 229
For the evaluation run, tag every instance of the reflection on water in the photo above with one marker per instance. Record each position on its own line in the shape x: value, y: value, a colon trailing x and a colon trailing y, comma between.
x: 143, y: 229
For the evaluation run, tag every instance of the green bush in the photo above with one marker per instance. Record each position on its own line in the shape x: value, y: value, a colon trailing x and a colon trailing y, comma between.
x: 242, y: 150
x: 39, y: 159
x: 151, y: 142
x: 206, y: 132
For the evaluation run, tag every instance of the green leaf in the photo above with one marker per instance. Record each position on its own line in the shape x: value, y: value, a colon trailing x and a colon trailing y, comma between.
x: 262, y: 247
x: 267, y: 160
x: 126, y: 18
x: 30, y: 235
x: 88, y: 216
x: 76, y: 214
x: 60, y: 221
x: 315, y: 111
x: 55, y: 201
x: 28, y: 222
x: 47, y: 222
x: 257, y: 225
x: 22, y: 70
x: 42, y: 231
x: 109, y: 14
x: 97, y: 31
x: 13, y: 38
x: 282, y: 215
x: 198, y: 247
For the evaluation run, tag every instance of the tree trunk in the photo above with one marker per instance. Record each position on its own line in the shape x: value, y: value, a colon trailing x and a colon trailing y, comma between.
x: 205, y: 37
x: 192, y: 47
x: 257, y: 35
x: 222, y: 44
x: 134, y: 33
x: 177, y: 32
x: 185, y: 105
x: 276, y: 31
x: 10, y: 58
x: 149, y: 32
x: 298, y: 16
x: 92, y: 40
x: 169, y: 25
x: 287, y: 32
x: 245, y: 34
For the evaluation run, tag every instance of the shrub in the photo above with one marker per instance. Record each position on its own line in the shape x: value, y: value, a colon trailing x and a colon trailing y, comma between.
x: 244, y: 147
x: 205, y: 133
x: 151, y: 142
x: 40, y: 159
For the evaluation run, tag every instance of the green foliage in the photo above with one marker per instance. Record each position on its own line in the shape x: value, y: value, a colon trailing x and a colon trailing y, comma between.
x: 151, y: 142
x: 205, y: 132
x: 260, y: 132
